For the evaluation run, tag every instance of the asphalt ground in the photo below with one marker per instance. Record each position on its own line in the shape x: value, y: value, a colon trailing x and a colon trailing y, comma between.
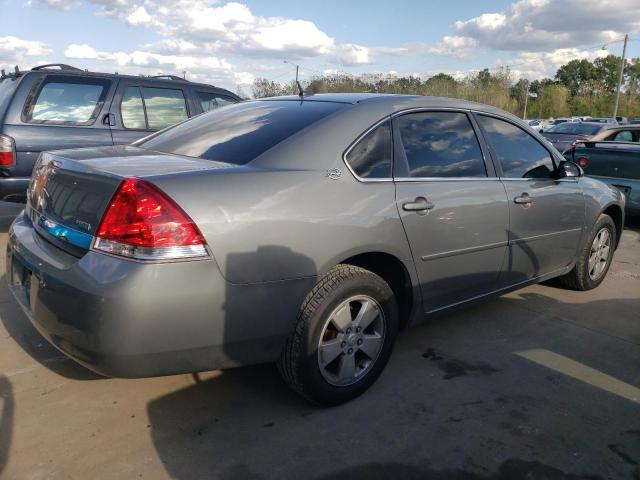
x: 542, y: 383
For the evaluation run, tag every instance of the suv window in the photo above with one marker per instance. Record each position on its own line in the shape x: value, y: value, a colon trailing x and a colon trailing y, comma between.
x: 623, y: 136
x: 211, y: 101
x: 519, y: 154
x: 241, y: 132
x: 371, y: 156
x: 440, y: 144
x: 150, y: 108
x: 66, y: 100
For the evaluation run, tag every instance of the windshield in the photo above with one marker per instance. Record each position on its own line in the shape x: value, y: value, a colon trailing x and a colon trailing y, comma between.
x: 239, y: 133
x: 575, y: 128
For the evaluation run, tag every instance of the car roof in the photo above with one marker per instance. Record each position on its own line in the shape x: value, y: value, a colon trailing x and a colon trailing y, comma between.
x: 69, y: 70
x: 395, y: 102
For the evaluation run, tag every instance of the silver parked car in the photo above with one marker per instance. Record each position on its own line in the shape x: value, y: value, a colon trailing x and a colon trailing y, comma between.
x: 305, y: 231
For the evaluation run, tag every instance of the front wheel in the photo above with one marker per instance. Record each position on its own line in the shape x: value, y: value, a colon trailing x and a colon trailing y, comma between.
x: 343, y: 337
x: 594, y: 258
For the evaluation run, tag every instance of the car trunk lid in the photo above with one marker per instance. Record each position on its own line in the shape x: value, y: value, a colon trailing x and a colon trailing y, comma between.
x: 70, y: 190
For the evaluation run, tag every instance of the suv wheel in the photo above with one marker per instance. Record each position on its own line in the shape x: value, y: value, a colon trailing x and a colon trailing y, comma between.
x: 343, y: 337
x: 595, y: 257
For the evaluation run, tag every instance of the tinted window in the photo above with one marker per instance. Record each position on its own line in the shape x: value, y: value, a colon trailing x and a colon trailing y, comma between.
x: 371, y: 156
x: 67, y: 101
x: 132, y: 109
x: 623, y: 136
x: 211, y: 101
x: 575, y: 128
x: 164, y: 107
x: 239, y: 133
x: 440, y: 144
x: 520, y: 155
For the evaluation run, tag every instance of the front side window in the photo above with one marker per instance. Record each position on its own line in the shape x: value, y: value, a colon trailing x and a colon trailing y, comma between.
x: 440, y: 144
x: 65, y: 100
x: 519, y: 154
x: 148, y: 108
x: 211, y: 101
x: 371, y: 156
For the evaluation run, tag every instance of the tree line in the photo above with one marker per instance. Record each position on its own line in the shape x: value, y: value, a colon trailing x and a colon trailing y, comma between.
x: 580, y: 87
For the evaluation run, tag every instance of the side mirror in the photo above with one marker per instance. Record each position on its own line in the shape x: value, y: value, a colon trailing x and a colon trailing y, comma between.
x: 569, y: 169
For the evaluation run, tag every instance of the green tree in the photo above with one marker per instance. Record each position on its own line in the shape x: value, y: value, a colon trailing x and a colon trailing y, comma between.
x: 575, y: 73
x: 607, y: 71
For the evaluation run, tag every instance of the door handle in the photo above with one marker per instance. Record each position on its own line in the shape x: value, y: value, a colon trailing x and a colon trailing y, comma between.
x: 523, y: 199
x: 420, y: 204
x: 109, y: 119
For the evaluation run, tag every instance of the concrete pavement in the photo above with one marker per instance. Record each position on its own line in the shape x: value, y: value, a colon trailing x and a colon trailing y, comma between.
x: 543, y: 383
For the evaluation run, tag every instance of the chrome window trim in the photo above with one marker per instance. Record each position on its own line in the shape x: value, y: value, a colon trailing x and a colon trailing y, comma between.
x: 447, y: 179
x: 357, y: 140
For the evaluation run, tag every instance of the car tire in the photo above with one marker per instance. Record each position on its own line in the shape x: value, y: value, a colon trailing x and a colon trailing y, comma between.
x: 361, y: 348
x: 582, y: 276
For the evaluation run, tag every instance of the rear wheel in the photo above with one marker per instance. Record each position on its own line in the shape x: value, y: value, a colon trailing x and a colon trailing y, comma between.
x: 595, y: 257
x: 343, y: 337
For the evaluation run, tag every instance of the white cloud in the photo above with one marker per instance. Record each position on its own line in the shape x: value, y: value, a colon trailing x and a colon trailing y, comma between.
x: 534, y: 25
x: 55, y: 4
x: 454, y: 46
x: 536, y: 65
x: 14, y: 50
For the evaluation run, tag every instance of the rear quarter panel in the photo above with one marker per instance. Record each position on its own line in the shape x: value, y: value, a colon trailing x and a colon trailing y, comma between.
x: 284, y: 217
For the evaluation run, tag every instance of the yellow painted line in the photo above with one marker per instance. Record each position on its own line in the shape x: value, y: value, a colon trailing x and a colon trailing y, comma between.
x: 579, y: 371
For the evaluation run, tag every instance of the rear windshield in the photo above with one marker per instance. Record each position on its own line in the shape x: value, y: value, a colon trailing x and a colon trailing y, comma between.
x: 575, y: 128
x: 239, y: 133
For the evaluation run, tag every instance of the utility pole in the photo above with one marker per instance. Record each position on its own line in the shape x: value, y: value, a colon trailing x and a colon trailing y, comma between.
x: 526, y: 101
x: 620, y: 77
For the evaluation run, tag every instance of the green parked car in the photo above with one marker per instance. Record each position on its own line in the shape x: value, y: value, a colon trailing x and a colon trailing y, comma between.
x: 615, y: 163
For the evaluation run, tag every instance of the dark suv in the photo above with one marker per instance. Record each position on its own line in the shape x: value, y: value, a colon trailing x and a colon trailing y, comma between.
x: 57, y: 106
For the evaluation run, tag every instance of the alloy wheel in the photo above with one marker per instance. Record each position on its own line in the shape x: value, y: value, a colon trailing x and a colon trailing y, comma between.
x: 351, y: 340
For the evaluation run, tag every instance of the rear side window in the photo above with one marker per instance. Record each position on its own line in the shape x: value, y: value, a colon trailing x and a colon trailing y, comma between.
x: 211, y: 101
x: 519, y: 154
x: 66, y: 100
x: 623, y: 136
x: 440, y: 144
x: 371, y: 156
x: 150, y: 108
x: 132, y: 109
x: 239, y: 133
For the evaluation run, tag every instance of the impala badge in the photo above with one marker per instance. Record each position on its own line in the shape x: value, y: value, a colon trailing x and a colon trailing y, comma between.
x: 334, y: 173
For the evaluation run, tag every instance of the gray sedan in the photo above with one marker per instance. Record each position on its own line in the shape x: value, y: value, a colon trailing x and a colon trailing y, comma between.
x: 306, y: 231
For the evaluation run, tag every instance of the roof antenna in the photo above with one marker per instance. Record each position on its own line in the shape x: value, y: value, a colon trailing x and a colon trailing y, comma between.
x: 300, y: 90
x: 16, y: 70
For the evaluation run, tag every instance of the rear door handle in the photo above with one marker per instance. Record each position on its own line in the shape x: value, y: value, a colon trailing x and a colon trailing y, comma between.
x: 420, y: 204
x: 523, y: 199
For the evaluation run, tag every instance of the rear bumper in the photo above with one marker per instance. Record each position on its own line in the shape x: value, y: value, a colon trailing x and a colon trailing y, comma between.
x: 129, y: 319
x: 13, y: 187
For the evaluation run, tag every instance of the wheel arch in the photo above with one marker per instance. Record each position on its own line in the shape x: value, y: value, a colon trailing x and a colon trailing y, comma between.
x: 393, y: 271
x: 617, y: 215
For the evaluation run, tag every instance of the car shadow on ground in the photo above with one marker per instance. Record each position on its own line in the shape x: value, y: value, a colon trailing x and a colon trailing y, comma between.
x: 471, y: 409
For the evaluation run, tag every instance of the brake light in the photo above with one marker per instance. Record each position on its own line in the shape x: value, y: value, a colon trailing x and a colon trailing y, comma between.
x: 583, y: 162
x: 144, y: 223
x: 7, y: 151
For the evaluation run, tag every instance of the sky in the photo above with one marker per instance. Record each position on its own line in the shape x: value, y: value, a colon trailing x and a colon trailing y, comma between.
x: 230, y: 44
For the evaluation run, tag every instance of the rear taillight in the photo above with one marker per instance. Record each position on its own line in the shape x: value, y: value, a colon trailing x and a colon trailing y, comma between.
x: 142, y: 222
x: 583, y: 162
x: 7, y: 151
